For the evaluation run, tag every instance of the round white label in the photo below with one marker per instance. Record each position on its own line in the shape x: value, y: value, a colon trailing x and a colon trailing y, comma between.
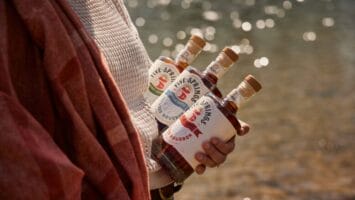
x: 178, y: 97
x: 161, y: 75
x: 197, y: 125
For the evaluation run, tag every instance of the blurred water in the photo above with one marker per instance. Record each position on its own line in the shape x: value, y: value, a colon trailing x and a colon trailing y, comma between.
x: 303, y: 121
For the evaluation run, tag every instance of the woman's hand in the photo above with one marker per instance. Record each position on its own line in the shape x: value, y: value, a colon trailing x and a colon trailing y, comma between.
x: 216, y: 150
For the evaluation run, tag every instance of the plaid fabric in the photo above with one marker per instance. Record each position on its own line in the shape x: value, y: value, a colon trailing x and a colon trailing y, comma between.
x: 65, y: 132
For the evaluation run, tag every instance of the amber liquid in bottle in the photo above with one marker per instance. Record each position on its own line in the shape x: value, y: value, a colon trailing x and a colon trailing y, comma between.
x: 209, y: 117
x: 165, y: 70
x: 189, y: 87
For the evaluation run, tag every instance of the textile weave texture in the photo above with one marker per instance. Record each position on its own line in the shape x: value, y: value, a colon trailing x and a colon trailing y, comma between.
x: 65, y: 130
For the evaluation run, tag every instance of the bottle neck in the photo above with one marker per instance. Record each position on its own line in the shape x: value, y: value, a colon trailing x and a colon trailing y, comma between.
x: 240, y: 94
x: 181, y: 65
x: 231, y: 106
x: 188, y: 54
x: 235, y: 99
x: 219, y: 66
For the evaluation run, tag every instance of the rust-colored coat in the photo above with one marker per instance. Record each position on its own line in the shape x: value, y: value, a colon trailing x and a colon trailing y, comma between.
x: 65, y: 132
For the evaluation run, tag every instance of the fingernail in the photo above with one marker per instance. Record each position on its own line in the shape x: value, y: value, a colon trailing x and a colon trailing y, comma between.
x: 214, y: 141
x: 207, y: 146
x: 198, y: 170
x: 200, y: 157
x: 244, y: 131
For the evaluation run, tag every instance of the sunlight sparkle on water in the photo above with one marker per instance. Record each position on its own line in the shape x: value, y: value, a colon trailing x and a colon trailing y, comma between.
x: 236, y: 49
x: 257, y: 63
x: 309, y: 36
x: 244, y: 41
x: 260, y: 24
x: 196, y: 31
x: 209, y: 47
x: 237, y: 23
x: 209, y: 37
x: 166, y: 52
x: 211, y: 15
x: 179, y: 47
x: 246, y: 26
x: 153, y: 39
x: 234, y: 15
x: 287, y: 5
x: 185, y: 5
x: 133, y: 3
x: 151, y: 3
x: 181, y: 35
x: 270, y: 23
x: 140, y: 21
x: 164, y: 2
x: 264, y: 61
x: 281, y: 13
x: 209, y: 33
x: 167, y: 42
x: 270, y: 10
x: 250, y: 2
x: 261, y: 62
x: 211, y: 30
x: 328, y: 22
x: 248, y: 49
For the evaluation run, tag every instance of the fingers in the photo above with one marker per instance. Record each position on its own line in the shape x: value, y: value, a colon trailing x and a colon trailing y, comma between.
x: 244, y: 128
x: 205, y: 160
x: 200, y: 169
x: 224, y: 147
x: 213, y: 156
x: 216, y: 150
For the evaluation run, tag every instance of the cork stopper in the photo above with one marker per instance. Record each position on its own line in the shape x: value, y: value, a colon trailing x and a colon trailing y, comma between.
x: 200, y: 42
x: 227, y: 57
x: 253, y: 82
x: 246, y: 89
x: 231, y: 54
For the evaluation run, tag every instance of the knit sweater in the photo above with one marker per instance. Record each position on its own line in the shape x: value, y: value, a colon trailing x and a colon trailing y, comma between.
x: 109, y: 24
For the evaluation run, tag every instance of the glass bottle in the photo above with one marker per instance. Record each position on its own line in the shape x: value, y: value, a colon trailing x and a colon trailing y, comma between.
x: 209, y: 117
x: 164, y: 70
x: 189, y: 87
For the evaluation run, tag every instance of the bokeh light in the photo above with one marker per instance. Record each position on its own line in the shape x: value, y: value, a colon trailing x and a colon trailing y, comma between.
x: 181, y: 35
x: 153, y: 38
x: 328, y: 22
x: 309, y: 36
x: 140, y: 21
x: 246, y: 26
x: 211, y: 15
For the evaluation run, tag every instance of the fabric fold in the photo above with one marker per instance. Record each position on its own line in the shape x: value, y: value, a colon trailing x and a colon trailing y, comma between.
x: 56, y: 77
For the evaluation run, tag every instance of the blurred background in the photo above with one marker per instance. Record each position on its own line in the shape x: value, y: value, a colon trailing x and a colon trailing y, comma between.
x: 302, y: 141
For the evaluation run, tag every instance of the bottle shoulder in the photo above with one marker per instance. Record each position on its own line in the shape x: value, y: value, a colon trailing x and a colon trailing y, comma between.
x: 208, y: 82
x: 226, y: 110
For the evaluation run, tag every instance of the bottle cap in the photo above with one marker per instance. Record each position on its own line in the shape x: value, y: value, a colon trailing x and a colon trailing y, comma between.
x: 253, y: 82
x: 198, y: 41
x: 231, y: 54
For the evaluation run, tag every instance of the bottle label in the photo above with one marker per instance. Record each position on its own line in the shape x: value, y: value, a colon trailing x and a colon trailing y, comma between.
x: 178, y: 97
x: 185, y: 56
x: 161, y: 75
x: 197, y: 125
x: 216, y: 69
